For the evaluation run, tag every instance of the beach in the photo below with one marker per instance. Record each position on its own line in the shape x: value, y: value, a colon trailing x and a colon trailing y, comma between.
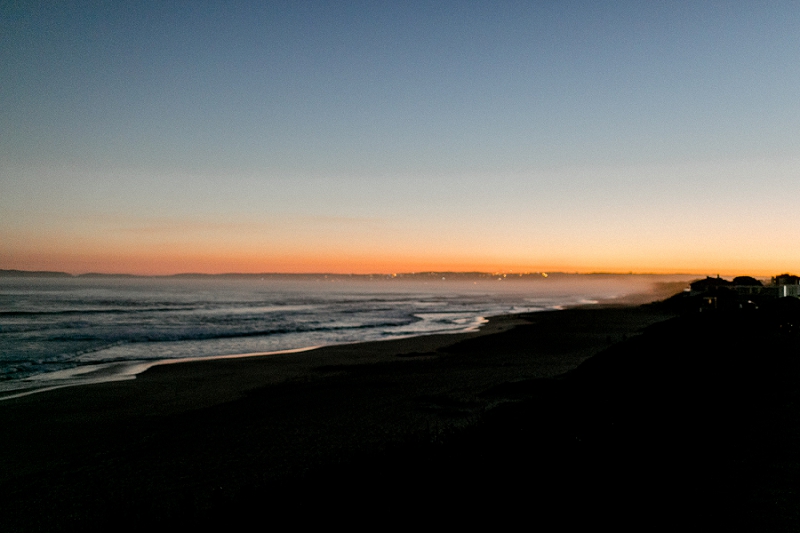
x: 569, y: 416
x: 399, y: 266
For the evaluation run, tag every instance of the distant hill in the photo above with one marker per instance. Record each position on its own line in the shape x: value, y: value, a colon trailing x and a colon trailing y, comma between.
x: 99, y: 275
x: 33, y: 274
x: 453, y: 276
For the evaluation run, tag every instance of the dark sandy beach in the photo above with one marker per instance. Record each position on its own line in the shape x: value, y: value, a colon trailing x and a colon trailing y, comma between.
x: 560, y: 418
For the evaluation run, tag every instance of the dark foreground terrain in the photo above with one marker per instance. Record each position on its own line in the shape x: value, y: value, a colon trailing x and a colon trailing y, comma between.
x: 633, y: 418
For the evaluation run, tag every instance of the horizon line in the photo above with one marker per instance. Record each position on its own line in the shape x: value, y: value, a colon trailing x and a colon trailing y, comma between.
x: 509, y: 273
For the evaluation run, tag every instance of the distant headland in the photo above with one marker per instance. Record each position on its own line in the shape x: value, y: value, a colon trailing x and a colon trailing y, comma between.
x: 426, y: 275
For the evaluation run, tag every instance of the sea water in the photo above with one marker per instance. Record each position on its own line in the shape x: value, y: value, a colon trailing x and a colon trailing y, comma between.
x: 64, y: 330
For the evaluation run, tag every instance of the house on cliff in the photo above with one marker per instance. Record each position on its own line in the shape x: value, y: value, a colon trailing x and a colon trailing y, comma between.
x: 744, y: 292
x: 786, y: 285
x: 709, y: 286
x: 747, y: 286
x: 782, y: 286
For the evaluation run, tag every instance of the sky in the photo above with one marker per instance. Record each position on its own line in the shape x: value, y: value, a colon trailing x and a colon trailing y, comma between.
x: 376, y: 137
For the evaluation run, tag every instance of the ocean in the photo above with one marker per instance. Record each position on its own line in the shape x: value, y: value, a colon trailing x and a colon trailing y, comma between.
x: 64, y: 331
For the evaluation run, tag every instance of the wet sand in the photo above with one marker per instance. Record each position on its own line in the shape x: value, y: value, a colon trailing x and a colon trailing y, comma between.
x: 475, y: 426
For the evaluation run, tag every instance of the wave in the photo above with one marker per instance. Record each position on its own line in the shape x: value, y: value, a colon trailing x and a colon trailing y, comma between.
x: 71, y: 312
x: 213, y: 335
x: 50, y: 327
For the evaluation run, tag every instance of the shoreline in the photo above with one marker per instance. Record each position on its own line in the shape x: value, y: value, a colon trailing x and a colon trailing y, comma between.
x: 126, y: 371
x: 636, y: 417
x: 130, y: 370
x: 143, y: 448
x: 94, y: 374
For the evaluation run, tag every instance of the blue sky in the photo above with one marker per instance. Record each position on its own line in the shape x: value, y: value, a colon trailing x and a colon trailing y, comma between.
x: 658, y: 136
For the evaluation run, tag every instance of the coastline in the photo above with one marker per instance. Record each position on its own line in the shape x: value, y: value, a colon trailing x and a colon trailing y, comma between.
x: 260, y: 421
x: 92, y: 374
x: 636, y: 417
x: 121, y: 371
x: 63, y: 333
x: 109, y: 372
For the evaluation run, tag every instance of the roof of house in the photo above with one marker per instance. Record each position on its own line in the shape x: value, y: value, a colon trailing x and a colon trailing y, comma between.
x: 747, y: 281
x: 786, y: 279
x: 709, y: 282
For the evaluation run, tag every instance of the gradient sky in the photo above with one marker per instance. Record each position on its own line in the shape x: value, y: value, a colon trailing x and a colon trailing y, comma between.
x: 163, y: 137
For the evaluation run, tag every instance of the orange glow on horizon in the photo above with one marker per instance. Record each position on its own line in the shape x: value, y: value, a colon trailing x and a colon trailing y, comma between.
x: 116, y: 252
x: 157, y: 264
